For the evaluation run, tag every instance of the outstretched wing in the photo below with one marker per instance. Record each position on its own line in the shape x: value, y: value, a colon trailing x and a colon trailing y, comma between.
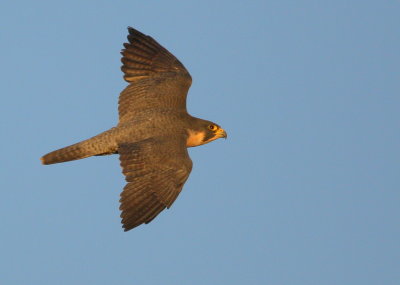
x: 158, y: 80
x: 155, y: 170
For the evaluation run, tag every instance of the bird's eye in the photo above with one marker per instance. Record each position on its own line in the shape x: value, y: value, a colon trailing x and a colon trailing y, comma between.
x: 212, y: 127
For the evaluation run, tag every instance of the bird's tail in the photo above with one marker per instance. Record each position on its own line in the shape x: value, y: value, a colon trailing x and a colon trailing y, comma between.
x: 101, y: 144
x: 72, y: 152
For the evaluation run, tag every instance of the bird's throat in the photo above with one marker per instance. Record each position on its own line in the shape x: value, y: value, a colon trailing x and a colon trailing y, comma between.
x: 195, y: 138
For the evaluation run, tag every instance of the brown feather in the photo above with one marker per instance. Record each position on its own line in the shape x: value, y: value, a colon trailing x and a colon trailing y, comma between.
x: 158, y: 79
x: 155, y: 170
x: 103, y: 143
x: 153, y: 132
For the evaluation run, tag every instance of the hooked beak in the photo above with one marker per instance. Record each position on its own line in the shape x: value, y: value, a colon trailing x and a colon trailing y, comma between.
x: 222, y: 134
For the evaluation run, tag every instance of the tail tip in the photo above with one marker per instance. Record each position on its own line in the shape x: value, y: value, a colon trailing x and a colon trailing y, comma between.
x: 42, y: 160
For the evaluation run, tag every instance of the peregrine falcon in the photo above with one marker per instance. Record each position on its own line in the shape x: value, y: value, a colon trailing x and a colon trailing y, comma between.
x: 153, y: 132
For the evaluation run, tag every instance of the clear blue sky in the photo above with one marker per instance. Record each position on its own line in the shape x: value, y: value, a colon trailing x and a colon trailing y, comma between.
x: 304, y: 191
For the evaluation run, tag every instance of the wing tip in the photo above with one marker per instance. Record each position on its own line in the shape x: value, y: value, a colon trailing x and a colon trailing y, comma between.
x: 134, y: 32
x: 144, y: 56
x: 126, y: 227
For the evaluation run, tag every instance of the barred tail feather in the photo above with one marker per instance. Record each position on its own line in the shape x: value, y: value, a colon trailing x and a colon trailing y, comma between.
x: 102, y: 144
x: 72, y: 152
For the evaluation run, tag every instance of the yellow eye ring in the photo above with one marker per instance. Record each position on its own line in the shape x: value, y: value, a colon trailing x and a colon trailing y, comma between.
x: 212, y: 127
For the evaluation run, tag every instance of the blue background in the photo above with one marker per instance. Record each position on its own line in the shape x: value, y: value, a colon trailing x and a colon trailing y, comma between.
x: 304, y: 191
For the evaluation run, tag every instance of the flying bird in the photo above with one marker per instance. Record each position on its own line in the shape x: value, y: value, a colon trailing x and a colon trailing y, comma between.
x: 153, y: 132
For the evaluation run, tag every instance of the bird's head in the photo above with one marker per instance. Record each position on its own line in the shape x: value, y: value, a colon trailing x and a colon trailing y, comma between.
x: 204, y: 132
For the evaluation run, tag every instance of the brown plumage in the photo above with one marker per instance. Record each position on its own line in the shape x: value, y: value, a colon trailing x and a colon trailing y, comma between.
x: 153, y: 132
